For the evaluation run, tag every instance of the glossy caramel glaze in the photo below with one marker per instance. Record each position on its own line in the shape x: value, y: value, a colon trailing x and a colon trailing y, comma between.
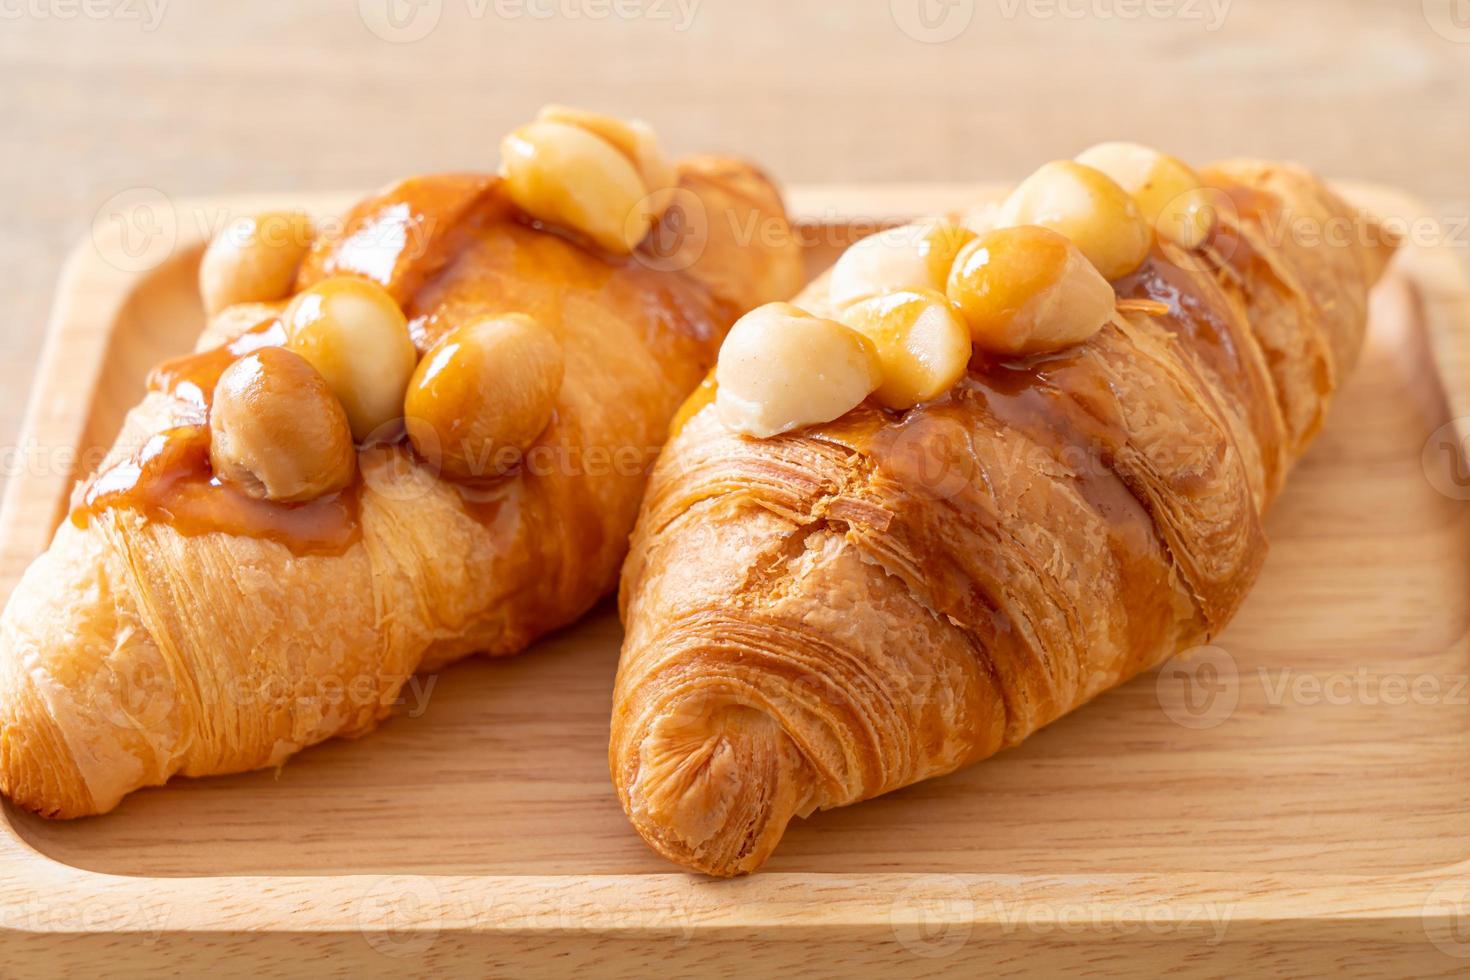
x: 704, y: 395
x: 192, y: 378
x: 449, y: 249
x: 831, y: 614
x: 169, y: 481
x: 483, y: 395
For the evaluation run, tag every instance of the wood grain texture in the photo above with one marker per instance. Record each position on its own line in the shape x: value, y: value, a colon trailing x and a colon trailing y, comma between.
x: 1316, y: 825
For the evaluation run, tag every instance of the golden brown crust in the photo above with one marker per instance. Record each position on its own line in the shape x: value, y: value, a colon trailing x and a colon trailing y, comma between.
x: 132, y: 652
x: 825, y: 616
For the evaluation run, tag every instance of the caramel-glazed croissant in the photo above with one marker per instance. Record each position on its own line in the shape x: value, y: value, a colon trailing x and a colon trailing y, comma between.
x: 827, y: 615
x: 139, y: 647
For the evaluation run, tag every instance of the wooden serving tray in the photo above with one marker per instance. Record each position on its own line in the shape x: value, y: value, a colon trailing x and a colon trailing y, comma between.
x: 1296, y: 799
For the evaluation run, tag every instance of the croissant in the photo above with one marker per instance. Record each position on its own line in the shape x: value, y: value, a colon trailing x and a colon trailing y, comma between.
x: 183, y: 630
x: 838, y: 612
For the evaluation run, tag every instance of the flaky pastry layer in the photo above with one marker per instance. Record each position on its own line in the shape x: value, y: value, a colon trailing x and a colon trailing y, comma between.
x: 836, y: 613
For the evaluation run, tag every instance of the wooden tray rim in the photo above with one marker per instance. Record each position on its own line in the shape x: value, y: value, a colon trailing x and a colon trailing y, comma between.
x: 1123, y: 907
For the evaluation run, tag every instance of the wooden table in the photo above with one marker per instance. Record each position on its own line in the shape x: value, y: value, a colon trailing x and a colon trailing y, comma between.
x: 192, y: 97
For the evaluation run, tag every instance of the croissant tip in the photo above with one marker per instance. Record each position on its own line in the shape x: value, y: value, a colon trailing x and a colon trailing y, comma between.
x: 713, y: 787
x: 51, y: 764
x: 36, y: 780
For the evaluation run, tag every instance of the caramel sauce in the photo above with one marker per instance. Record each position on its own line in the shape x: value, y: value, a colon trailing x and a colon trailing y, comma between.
x: 1198, y: 311
x: 486, y: 504
x: 193, y: 377
x: 945, y: 449
x: 694, y: 404
x: 1064, y: 405
x: 444, y: 247
x: 170, y: 481
x: 1187, y: 308
x: 403, y: 236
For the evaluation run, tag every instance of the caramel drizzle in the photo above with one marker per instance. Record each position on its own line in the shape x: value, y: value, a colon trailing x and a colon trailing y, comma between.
x: 170, y: 481
x: 193, y: 377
